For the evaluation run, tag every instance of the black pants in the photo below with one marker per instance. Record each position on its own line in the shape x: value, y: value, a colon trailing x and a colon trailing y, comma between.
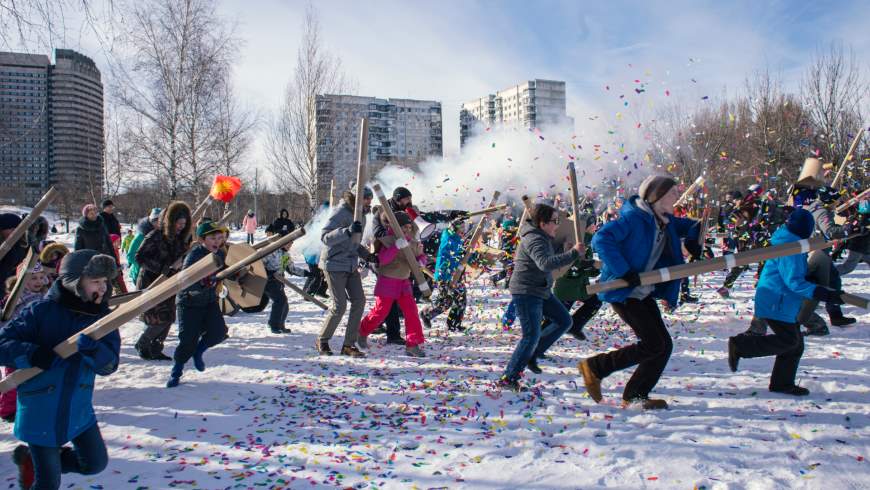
x: 651, y: 353
x: 393, y: 324
x: 315, y: 283
x: 587, y: 310
x: 198, y: 324
x: 787, y: 344
x: 734, y: 274
x: 275, y: 291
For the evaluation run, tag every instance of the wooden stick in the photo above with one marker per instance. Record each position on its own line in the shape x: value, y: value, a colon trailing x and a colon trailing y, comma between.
x: 199, y: 212
x: 402, y: 243
x: 855, y: 141
x: 124, y: 313
x: 15, y: 293
x: 299, y: 290
x: 579, y: 228
x: 263, y: 243
x: 724, y: 262
x: 225, y: 217
x: 865, y: 194
x: 527, y: 209
x: 21, y: 229
x: 331, y: 193
x: 259, y: 254
x: 855, y: 300
x: 487, y: 210
x: 120, y: 299
x: 362, y: 162
x: 705, y: 222
x: 475, y: 237
x: 692, y: 188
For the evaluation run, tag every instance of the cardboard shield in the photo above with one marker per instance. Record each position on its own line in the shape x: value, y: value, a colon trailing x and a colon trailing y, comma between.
x: 247, y: 292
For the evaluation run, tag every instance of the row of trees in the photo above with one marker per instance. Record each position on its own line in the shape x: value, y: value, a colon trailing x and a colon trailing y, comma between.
x: 764, y: 134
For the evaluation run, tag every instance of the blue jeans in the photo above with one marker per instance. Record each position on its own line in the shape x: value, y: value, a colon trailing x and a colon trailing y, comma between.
x: 537, y: 338
x: 88, y: 457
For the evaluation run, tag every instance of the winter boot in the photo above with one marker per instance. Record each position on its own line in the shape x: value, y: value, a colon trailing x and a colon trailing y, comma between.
x: 842, y: 321
x: 593, y: 384
x: 396, y: 340
x: 427, y: 322
x: 533, y: 366
x: 323, y: 348
x: 415, y: 351
x: 724, y: 292
x: 577, y: 333
x: 157, y: 352
x: 21, y: 458
x: 349, y: 350
x: 688, y: 298
x: 144, y: 350
x: 646, y: 403
x: 175, y: 375
x: 733, y: 357
x: 198, y: 361
x: 791, y: 390
x: 514, y: 385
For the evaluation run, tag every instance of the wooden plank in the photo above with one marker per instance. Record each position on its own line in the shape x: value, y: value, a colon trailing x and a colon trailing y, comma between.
x: 475, y: 237
x: 361, y: 175
x: 21, y: 229
x: 299, y: 291
x: 15, y: 293
x: 402, y: 243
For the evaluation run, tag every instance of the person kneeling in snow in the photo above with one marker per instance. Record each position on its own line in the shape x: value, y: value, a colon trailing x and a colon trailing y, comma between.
x: 200, y: 321
x: 56, y: 406
x: 781, y: 290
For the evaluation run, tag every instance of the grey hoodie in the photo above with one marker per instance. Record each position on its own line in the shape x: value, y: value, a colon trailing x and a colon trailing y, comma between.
x: 340, y: 254
x: 535, y: 261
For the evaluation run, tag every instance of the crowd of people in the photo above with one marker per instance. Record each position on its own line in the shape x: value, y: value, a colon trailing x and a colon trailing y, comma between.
x: 66, y: 291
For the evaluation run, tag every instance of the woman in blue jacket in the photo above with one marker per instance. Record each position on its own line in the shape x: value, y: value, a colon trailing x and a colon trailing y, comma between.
x: 646, y: 236
x: 56, y: 406
x: 781, y: 290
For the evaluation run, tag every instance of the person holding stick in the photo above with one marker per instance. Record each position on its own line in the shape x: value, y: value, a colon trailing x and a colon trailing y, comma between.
x: 200, y: 321
x: 451, y: 298
x: 394, y: 287
x: 780, y: 292
x: 531, y: 292
x: 340, y: 261
x: 160, y: 250
x: 56, y: 406
x: 646, y: 236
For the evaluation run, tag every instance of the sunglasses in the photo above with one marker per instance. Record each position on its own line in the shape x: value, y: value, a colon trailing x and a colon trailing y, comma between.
x: 555, y: 221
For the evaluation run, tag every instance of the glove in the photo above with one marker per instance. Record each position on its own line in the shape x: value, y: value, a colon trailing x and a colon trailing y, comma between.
x: 694, y: 249
x: 372, y: 258
x: 829, y: 296
x: 458, y: 215
x: 44, y: 358
x: 87, y: 346
x: 356, y: 227
x: 632, y: 278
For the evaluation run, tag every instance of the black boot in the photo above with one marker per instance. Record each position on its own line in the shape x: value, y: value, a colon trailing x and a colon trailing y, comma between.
x: 144, y: 351
x: 842, y: 321
x: 733, y: 357
x: 157, y: 352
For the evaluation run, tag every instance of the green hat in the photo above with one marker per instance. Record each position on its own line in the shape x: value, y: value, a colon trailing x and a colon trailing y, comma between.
x: 209, y: 227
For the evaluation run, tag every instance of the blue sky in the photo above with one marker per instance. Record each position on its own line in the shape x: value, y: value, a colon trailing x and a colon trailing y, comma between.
x: 453, y: 51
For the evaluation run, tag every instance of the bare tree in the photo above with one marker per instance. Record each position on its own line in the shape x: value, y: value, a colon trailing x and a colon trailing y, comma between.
x: 118, y: 152
x: 295, y: 148
x: 834, y: 91
x: 179, y: 49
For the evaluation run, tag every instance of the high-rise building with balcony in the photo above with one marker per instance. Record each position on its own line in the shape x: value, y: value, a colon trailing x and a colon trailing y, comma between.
x: 51, y: 125
x: 401, y: 132
x: 532, y: 104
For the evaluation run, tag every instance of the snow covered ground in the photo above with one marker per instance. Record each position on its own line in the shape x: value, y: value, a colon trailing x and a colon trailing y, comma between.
x: 269, y: 413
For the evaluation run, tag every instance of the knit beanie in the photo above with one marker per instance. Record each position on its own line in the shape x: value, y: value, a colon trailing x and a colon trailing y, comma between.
x: 655, y: 187
x: 86, y: 208
x: 401, y: 193
x: 801, y: 223
x: 107, y: 202
x: 403, y: 218
x: 155, y: 214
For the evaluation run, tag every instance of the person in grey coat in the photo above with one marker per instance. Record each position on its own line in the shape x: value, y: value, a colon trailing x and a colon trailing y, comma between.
x: 340, y: 262
x: 531, y: 291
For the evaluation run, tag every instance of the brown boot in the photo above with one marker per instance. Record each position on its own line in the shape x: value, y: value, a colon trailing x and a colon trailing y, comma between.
x: 593, y: 384
x: 646, y: 403
x: 323, y: 348
x: 352, y: 351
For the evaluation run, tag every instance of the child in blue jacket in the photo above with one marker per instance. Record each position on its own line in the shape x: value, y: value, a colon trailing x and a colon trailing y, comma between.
x: 780, y: 292
x: 56, y: 407
x: 200, y: 321
x: 646, y: 236
x: 451, y: 298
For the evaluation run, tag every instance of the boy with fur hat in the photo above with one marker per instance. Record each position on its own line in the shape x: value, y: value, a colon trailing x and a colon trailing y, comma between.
x: 394, y: 287
x: 34, y: 288
x: 646, y: 236
x: 56, y: 406
x: 160, y: 250
x: 200, y: 321
x: 781, y: 290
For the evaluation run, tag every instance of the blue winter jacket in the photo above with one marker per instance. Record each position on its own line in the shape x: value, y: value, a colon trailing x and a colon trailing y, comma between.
x: 56, y: 406
x: 450, y: 253
x: 783, y: 286
x: 625, y: 243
